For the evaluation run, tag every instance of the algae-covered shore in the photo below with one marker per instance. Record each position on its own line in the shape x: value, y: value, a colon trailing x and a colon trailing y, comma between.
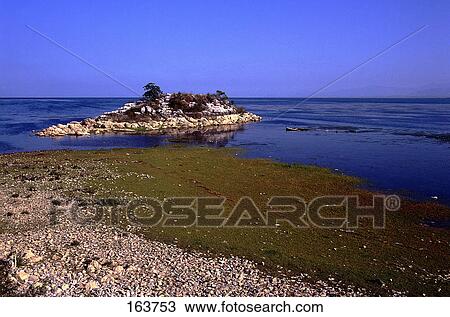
x: 38, y: 256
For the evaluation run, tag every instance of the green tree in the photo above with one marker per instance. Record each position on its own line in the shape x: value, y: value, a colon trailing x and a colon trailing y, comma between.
x: 152, y: 92
x: 221, y: 95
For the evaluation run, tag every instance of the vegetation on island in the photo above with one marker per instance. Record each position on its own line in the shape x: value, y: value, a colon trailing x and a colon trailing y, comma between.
x: 188, y: 103
x: 151, y: 92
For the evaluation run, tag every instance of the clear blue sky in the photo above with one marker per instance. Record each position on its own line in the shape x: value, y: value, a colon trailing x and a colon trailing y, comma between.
x: 247, y: 48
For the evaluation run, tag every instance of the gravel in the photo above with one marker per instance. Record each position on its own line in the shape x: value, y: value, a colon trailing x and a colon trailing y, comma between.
x: 38, y: 258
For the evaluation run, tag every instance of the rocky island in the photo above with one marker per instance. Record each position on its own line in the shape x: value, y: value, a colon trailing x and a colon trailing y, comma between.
x: 159, y: 113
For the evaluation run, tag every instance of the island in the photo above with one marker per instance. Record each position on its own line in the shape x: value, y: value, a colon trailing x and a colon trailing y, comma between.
x: 159, y: 113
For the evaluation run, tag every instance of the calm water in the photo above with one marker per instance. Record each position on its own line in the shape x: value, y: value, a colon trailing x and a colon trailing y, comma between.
x: 397, y: 145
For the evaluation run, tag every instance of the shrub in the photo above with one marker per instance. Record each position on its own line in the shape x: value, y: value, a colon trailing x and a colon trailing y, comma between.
x: 221, y: 95
x: 152, y: 104
x: 210, y: 97
x: 152, y: 92
x: 198, y: 107
x: 188, y: 102
x: 240, y: 109
x: 178, y: 102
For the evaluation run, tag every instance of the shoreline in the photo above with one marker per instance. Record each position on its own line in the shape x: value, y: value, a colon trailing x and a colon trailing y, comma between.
x: 56, y: 172
x: 210, y: 131
x: 179, y: 125
x: 221, y: 129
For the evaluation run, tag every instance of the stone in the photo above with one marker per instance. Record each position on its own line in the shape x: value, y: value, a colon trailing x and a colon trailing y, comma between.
x: 107, y: 278
x: 33, y: 279
x: 96, y: 264
x: 90, y: 286
x: 36, y: 259
x: 28, y: 255
x: 119, y: 269
x: 23, y: 276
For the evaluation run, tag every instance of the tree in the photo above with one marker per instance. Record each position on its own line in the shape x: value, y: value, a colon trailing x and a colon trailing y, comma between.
x: 221, y: 95
x: 152, y: 92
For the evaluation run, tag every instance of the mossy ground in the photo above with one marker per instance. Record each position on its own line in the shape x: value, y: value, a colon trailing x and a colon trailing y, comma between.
x: 405, y: 256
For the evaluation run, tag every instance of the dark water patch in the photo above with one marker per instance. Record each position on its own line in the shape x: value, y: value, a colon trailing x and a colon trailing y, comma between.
x: 333, y: 129
x: 441, y: 137
x: 109, y: 141
x: 15, y: 128
x: 345, y: 129
x: 285, y: 122
x: 252, y: 144
x: 6, y: 147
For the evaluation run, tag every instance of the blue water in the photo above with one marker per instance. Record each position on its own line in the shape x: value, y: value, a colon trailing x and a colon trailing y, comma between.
x: 398, y: 145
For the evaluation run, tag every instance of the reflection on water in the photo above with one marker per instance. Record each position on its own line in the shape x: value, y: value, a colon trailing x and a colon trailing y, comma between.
x: 213, y: 136
x: 218, y: 136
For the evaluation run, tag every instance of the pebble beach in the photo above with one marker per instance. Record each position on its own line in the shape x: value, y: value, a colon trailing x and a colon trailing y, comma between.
x: 38, y: 258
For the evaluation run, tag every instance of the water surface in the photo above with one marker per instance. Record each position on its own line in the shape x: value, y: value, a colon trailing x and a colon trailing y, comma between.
x: 397, y: 145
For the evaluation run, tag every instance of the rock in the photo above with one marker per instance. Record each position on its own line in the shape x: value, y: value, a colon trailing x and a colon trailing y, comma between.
x: 31, y: 257
x: 23, y: 276
x: 90, y: 286
x: 74, y: 243
x: 28, y: 255
x: 36, y: 259
x: 33, y: 279
x: 119, y: 269
x: 88, y: 122
x: 378, y: 282
x: 94, y: 266
x: 107, y: 278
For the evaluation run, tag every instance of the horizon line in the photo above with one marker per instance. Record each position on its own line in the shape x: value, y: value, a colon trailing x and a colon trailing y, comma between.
x: 231, y: 97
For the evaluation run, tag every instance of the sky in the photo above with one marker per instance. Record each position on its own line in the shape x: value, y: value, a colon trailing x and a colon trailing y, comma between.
x: 246, y: 48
